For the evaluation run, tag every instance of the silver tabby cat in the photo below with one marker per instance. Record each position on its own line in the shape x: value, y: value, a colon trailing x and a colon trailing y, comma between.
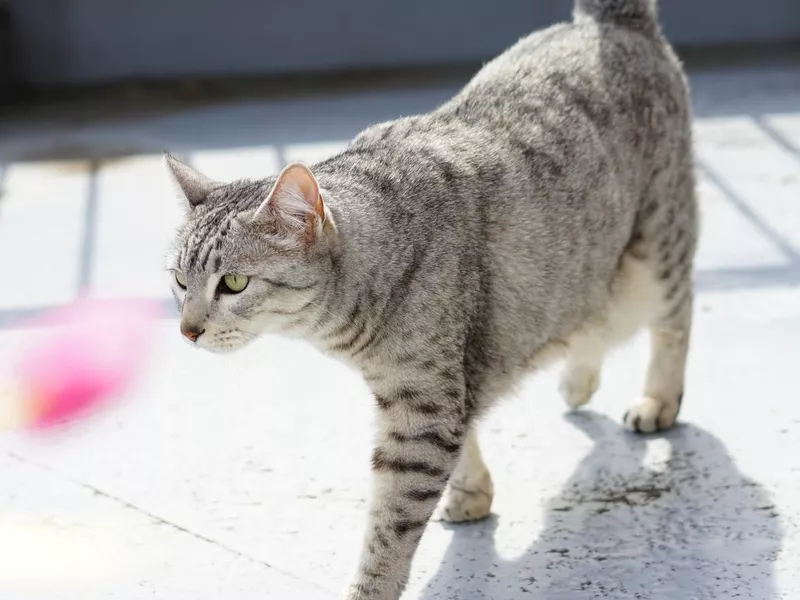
x: 546, y: 211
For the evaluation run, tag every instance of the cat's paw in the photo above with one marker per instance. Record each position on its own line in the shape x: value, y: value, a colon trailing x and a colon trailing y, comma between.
x: 578, y: 385
x: 467, y: 501
x: 652, y: 415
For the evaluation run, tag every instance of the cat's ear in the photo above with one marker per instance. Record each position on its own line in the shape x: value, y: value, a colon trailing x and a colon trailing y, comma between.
x: 296, y: 200
x: 193, y: 186
x: 295, y: 190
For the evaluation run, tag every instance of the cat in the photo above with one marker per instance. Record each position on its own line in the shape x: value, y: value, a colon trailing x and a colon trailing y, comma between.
x: 548, y: 210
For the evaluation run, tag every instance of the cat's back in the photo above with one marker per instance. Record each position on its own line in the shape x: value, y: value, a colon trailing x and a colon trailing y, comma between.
x: 607, y: 74
x: 580, y: 82
x: 553, y: 141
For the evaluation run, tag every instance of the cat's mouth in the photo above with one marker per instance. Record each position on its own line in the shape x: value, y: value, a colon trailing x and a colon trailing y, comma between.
x: 225, y: 342
x: 226, y: 348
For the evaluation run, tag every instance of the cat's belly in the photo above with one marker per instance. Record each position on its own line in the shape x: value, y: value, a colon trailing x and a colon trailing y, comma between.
x: 609, y: 315
x: 631, y: 302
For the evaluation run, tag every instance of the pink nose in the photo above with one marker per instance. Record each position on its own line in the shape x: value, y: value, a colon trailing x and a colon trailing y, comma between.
x: 191, y: 333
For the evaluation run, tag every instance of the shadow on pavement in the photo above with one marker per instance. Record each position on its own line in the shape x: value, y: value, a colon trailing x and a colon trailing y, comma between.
x: 695, y: 528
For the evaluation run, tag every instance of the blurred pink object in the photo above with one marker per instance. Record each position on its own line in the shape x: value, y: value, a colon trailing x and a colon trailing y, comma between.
x: 94, y: 351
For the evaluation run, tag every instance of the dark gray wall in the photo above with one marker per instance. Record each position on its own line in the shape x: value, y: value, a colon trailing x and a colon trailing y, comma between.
x: 88, y: 41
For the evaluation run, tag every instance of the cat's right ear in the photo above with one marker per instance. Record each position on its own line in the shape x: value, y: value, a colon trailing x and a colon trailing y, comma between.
x: 193, y: 186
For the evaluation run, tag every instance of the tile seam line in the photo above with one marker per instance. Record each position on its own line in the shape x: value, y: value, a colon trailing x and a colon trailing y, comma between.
x: 786, y: 144
x: 161, y: 520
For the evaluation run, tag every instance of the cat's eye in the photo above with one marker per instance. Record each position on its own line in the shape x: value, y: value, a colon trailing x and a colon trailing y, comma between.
x: 180, y: 279
x: 233, y: 284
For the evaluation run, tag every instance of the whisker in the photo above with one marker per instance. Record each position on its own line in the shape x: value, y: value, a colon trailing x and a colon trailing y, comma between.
x: 323, y: 309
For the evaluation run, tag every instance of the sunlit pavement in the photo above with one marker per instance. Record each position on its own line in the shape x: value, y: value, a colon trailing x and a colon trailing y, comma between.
x: 245, y: 477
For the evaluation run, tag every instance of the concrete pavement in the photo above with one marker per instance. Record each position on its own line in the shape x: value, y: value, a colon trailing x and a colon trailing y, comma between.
x: 242, y: 477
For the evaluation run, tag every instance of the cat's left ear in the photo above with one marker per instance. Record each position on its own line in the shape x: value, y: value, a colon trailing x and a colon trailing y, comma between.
x: 296, y: 200
x: 193, y: 186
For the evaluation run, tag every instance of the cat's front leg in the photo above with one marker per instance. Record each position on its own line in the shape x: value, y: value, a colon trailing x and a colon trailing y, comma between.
x: 420, y: 437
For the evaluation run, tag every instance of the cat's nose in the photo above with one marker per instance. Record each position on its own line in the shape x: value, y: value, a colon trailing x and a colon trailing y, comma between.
x: 191, y: 332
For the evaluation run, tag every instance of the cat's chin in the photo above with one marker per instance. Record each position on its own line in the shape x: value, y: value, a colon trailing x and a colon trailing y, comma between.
x: 225, y: 347
x: 221, y: 349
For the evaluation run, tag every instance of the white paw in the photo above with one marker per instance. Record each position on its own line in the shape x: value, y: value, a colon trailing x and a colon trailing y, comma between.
x: 578, y: 385
x: 467, y: 501
x: 652, y: 415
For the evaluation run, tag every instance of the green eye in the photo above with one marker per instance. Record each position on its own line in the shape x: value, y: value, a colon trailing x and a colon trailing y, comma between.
x: 180, y: 279
x: 235, y: 283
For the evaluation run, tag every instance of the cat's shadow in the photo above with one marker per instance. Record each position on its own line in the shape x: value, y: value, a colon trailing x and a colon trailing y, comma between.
x: 695, y: 527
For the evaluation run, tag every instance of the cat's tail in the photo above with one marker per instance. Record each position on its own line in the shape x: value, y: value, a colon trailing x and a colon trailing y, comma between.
x: 640, y: 15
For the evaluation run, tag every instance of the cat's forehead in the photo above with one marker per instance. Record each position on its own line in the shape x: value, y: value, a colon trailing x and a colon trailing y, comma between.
x: 215, y: 217
x: 216, y: 234
x: 229, y: 200
x: 225, y: 242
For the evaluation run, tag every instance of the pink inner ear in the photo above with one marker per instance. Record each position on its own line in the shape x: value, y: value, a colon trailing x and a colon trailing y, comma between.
x: 299, y: 177
x: 294, y: 204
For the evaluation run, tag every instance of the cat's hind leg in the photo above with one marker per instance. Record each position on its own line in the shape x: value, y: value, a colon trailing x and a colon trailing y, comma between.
x: 634, y: 296
x: 669, y: 346
x: 581, y: 375
x: 673, y: 236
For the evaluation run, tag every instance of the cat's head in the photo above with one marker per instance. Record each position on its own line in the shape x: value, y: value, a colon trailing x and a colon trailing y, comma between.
x: 251, y: 256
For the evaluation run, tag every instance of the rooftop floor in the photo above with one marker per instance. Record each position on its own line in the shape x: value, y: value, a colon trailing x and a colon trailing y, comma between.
x: 240, y: 477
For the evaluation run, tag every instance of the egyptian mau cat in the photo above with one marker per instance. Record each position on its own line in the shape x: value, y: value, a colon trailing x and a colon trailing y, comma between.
x: 547, y: 210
